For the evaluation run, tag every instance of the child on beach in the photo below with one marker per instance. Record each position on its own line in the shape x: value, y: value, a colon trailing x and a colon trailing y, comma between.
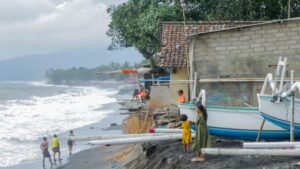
x: 44, y: 147
x: 186, y: 133
x: 71, y: 142
x: 55, y: 148
x: 202, y: 139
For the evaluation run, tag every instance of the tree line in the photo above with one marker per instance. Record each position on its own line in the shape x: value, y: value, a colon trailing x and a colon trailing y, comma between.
x: 81, y: 74
x: 136, y: 23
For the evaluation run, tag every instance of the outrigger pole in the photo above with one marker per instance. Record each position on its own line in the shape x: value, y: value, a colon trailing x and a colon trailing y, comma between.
x: 271, y: 145
x: 144, y: 139
x: 116, y: 136
x: 264, y: 152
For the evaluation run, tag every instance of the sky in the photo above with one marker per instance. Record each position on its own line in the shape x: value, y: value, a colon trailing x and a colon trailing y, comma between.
x: 32, y: 27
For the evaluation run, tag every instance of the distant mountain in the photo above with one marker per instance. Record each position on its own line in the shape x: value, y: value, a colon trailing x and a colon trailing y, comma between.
x: 33, y: 67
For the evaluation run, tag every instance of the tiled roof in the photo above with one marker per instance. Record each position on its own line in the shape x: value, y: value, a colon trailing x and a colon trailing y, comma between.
x: 173, y: 39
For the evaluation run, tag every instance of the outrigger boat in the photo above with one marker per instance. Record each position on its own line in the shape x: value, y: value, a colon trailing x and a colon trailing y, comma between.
x: 235, y: 122
x: 276, y: 107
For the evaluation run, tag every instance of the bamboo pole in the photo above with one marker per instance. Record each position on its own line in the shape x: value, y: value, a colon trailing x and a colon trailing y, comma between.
x: 271, y: 145
x: 116, y: 136
x: 263, y: 152
x: 139, y: 139
x: 166, y: 130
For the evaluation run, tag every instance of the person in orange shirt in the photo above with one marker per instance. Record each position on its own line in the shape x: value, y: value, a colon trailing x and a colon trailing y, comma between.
x: 181, y: 97
x: 142, y: 93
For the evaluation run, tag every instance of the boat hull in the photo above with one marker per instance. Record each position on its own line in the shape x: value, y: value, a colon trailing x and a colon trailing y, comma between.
x: 236, y: 122
x: 278, y: 113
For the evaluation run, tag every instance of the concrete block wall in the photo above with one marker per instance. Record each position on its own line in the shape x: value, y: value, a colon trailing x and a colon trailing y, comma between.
x: 246, y: 52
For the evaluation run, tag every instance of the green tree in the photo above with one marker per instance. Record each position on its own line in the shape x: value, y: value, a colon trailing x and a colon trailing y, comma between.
x: 136, y: 23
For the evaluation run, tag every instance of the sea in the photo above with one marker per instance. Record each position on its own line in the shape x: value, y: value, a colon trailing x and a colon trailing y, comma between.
x: 32, y: 110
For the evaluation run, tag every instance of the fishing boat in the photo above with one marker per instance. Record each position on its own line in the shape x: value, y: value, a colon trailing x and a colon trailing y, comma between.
x: 236, y: 122
x: 277, y: 106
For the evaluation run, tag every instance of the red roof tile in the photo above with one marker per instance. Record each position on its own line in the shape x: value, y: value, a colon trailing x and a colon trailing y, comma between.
x: 173, y: 39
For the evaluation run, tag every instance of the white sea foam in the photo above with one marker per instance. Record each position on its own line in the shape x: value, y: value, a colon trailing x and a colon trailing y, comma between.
x: 44, y: 84
x: 24, y: 122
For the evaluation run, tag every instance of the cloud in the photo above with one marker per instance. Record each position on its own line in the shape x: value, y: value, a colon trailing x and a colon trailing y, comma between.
x: 42, y: 26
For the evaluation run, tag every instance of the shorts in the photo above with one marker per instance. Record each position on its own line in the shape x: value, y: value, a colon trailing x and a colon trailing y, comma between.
x: 46, y: 153
x: 70, y: 143
x: 56, y: 150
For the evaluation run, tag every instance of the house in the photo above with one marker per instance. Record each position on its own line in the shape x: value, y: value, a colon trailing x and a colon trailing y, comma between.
x: 232, y: 63
x: 174, y: 52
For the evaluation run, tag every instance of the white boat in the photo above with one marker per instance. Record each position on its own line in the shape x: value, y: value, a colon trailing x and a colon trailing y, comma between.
x: 236, y: 122
x: 276, y: 107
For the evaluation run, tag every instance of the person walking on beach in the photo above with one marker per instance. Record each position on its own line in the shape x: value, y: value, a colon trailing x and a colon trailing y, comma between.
x: 186, y: 133
x: 44, y: 147
x: 202, y: 139
x: 71, y: 142
x: 55, y: 148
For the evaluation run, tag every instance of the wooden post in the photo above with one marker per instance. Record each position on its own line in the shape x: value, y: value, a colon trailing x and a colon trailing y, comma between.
x: 292, y: 122
x: 292, y: 127
x: 289, y: 9
x: 260, y: 129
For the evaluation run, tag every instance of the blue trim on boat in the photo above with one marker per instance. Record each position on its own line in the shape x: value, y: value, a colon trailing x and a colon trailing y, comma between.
x: 279, y: 122
x: 247, y: 134
x: 209, y: 107
x: 163, y: 78
x: 287, y: 99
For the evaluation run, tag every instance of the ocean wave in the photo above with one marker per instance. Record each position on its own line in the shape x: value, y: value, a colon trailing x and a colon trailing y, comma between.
x: 24, y: 122
x: 44, y: 84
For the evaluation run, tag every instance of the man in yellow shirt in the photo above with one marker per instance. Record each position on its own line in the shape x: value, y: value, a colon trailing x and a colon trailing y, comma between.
x: 55, y: 148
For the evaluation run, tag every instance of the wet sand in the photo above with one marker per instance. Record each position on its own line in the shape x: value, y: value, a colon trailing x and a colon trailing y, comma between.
x: 95, y: 158
x: 104, y: 157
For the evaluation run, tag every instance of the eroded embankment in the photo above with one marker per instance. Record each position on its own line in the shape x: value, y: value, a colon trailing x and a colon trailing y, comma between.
x: 169, y: 155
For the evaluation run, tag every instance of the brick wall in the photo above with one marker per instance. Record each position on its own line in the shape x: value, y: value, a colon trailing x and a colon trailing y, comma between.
x: 245, y: 52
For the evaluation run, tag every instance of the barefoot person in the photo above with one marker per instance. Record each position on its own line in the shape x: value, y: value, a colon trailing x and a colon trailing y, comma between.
x: 44, y: 147
x: 71, y: 142
x: 55, y: 148
x: 186, y: 133
x: 202, y: 139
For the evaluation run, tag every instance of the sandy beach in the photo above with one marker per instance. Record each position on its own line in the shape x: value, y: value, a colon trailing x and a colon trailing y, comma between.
x: 95, y: 158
